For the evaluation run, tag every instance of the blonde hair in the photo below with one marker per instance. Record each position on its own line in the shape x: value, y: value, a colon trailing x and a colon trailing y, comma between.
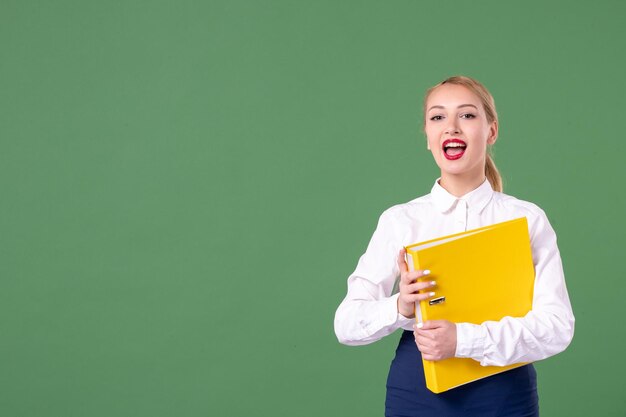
x: 491, y: 171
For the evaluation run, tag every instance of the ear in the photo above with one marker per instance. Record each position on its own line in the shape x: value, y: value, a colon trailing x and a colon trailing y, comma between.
x: 493, y: 133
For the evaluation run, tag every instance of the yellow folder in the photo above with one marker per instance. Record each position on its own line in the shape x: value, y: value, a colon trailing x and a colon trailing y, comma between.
x: 482, y: 274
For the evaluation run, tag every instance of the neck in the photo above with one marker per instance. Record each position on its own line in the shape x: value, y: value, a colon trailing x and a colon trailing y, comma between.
x: 458, y: 186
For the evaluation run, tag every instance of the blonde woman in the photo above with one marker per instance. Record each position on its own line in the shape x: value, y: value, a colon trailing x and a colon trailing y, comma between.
x: 460, y: 123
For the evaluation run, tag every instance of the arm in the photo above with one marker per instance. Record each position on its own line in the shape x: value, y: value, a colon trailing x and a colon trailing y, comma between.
x: 369, y: 310
x: 545, y: 331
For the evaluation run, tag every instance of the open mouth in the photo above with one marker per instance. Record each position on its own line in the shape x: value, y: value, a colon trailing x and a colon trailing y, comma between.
x: 454, y: 148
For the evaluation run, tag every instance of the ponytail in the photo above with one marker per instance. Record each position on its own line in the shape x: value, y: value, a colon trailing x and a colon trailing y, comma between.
x: 492, y: 174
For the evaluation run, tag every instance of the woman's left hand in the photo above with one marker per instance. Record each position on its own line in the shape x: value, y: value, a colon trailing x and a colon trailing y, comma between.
x: 436, y: 339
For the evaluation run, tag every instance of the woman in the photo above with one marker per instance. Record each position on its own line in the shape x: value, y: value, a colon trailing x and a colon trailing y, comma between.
x: 460, y: 122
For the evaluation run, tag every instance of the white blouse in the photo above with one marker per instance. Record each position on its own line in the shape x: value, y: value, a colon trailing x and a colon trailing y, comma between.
x: 369, y: 310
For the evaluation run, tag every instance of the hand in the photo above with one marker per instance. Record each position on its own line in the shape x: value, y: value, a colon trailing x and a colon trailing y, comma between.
x: 436, y: 339
x: 409, y: 287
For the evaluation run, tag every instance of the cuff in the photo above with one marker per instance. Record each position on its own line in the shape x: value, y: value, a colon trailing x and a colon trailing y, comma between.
x: 470, y: 341
x: 391, y: 316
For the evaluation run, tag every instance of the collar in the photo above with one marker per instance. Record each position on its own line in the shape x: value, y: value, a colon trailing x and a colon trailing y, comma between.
x: 476, y: 199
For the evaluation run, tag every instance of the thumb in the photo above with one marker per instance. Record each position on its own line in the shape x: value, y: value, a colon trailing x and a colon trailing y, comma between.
x: 432, y: 324
x: 402, y: 266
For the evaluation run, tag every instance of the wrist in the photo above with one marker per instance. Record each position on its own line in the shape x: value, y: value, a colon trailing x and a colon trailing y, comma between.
x: 405, y: 310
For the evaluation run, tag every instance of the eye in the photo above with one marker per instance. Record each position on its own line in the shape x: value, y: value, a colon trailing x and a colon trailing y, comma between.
x: 468, y: 116
x: 435, y: 118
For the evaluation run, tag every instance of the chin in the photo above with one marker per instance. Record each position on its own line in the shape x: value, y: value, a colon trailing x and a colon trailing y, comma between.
x: 459, y: 167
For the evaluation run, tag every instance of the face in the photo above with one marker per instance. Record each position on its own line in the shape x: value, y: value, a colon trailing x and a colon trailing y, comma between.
x: 458, y: 132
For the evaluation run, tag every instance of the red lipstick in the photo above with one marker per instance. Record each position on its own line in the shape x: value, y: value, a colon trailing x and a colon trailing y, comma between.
x: 456, y: 147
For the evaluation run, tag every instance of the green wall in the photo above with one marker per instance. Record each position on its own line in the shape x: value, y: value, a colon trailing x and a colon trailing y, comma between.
x: 186, y: 185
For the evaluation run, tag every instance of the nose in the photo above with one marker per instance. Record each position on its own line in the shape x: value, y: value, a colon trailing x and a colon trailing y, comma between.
x: 453, y: 127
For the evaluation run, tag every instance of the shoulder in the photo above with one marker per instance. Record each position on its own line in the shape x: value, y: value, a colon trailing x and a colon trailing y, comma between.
x: 515, y: 207
x: 408, y: 210
x: 399, y: 219
x: 515, y: 204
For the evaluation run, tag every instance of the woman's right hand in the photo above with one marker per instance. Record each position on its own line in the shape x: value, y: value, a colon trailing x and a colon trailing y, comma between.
x: 409, y: 287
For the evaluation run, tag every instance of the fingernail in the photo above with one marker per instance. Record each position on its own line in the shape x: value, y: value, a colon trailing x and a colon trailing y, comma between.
x: 431, y: 293
x: 433, y: 283
x: 419, y: 325
x: 426, y: 272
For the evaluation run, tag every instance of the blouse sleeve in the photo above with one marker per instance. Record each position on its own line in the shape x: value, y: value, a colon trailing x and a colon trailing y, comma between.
x: 369, y: 311
x: 545, y: 330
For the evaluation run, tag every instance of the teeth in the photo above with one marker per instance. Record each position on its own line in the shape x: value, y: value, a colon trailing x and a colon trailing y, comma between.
x: 454, y: 145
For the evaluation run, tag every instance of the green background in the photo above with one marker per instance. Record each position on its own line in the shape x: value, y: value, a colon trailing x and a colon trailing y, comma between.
x: 186, y: 185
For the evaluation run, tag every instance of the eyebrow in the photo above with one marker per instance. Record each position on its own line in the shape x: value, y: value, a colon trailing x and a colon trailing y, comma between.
x: 458, y: 107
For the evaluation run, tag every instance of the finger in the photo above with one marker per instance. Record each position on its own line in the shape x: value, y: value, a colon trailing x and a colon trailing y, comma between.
x: 430, y: 357
x: 418, y: 286
x: 406, y: 275
x: 425, y: 334
x: 408, y: 278
x: 417, y: 274
x: 433, y: 324
x: 401, y: 261
x: 425, y: 344
x: 414, y: 298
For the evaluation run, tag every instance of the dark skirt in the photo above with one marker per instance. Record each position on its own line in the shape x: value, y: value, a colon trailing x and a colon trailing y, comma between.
x: 510, y: 393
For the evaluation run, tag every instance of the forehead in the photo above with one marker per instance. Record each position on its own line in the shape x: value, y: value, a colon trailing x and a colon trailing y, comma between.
x: 450, y: 95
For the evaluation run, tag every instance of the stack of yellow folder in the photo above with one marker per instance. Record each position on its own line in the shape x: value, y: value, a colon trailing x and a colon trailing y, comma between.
x: 482, y: 274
